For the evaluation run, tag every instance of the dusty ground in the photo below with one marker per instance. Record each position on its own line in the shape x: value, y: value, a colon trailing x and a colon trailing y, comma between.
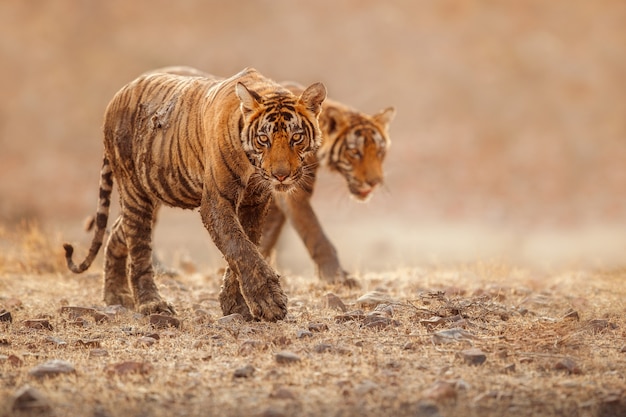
x: 503, y: 211
x: 480, y: 339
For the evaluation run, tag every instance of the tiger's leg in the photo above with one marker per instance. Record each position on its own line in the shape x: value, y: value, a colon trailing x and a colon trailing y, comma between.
x: 116, y: 288
x: 137, y: 223
x: 320, y: 248
x: 272, y: 226
x: 242, y: 290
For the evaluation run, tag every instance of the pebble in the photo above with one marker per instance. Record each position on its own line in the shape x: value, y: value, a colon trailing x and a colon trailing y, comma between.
x: 283, y: 393
x: 301, y: 334
x: 473, y: 356
x: 146, y: 341
x: 244, y: 372
x: 569, y: 365
x: 30, y: 399
x: 318, y: 327
x: 39, y: 324
x: 322, y: 347
x: 286, y: 357
x: 373, y: 298
x: 129, y: 367
x: 6, y: 316
x: 333, y: 302
x: 162, y: 321
x: 52, y: 368
x: 441, y: 390
x: 98, y: 353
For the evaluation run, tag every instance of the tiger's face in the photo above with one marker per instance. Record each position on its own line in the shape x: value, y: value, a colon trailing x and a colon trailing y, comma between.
x: 359, y: 149
x: 279, y: 131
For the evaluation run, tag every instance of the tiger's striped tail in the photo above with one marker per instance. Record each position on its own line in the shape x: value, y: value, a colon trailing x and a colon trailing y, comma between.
x: 102, y: 216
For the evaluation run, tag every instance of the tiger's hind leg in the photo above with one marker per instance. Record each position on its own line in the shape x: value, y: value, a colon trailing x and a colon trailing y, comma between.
x: 116, y: 288
x: 137, y: 223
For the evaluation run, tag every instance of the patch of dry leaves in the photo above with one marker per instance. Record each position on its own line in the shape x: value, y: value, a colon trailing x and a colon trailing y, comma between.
x: 484, y: 339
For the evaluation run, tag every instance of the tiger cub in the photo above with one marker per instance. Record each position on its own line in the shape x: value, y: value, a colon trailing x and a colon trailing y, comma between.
x: 224, y: 146
x: 354, y: 145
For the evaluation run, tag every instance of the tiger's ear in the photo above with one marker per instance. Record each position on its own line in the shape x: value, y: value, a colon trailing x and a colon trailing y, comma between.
x: 384, y: 117
x: 250, y: 100
x: 313, y: 97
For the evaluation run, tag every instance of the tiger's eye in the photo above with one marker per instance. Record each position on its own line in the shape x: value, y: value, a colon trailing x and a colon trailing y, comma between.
x: 263, y: 140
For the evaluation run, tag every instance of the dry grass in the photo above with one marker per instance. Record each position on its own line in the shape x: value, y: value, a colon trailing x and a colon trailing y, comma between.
x: 554, y: 345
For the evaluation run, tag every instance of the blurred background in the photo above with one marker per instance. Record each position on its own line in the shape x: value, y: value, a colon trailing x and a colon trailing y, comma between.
x: 509, y: 140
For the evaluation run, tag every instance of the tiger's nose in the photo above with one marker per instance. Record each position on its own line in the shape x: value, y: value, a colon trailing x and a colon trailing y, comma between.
x: 281, y: 174
x: 372, y: 182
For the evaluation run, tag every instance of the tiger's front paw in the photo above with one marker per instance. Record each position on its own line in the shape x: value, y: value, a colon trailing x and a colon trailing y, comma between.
x: 268, y: 303
x: 156, y: 307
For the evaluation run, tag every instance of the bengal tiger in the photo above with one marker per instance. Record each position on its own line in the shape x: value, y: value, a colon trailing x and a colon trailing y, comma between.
x: 221, y: 145
x: 354, y: 145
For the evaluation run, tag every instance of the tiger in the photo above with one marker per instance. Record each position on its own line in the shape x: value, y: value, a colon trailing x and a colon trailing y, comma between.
x: 222, y: 146
x: 354, y: 145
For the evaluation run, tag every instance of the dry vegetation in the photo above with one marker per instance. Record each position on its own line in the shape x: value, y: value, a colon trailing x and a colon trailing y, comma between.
x: 482, y: 339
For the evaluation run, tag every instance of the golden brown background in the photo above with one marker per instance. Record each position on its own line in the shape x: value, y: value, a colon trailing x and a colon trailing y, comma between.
x: 509, y: 141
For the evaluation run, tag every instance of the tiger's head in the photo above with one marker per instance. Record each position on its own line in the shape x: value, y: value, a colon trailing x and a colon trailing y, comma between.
x: 356, y: 146
x: 279, y: 131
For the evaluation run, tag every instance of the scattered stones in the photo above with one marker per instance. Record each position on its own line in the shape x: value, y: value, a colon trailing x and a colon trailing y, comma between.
x: 452, y: 335
x: 286, y: 357
x: 5, y: 316
x: 244, y: 372
x: 333, y: 302
x: 129, y: 367
x: 301, y: 334
x: 434, y: 321
x: 569, y: 365
x: 39, y: 324
x: 29, y: 399
x: 162, y: 321
x: 473, y: 356
x: 322, y: 347
x: 52, y: 368
x: 231, y: 318
x: 373, y: 298
x: 318, y: 327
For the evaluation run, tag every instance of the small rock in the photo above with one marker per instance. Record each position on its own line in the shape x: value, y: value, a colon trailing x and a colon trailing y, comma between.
x: 286, y: 357
x: 335, y: 303
x: 473, y: 356
x: 244, y: 372
x: 231, y: 318
x: 15, y: 361
x: 433, y: 321
x: 571, y: 315
x: 39, y: 324
x: 30, y: 399
x: 599, y: 325
x: 441, y: 390
x: 318, y: 327
x: 282, y: 393
x: 5, y: 342
x: 301, y: 334
x: 75, y: 312
x: 56, y: 341
x: 409, y: 346
x: 452, y: 335
x: 5, y: 316
x: 129, y: 367
x: 146, y: 341
x: 569, y: 365
x: 385, y: 309
x: 250, y: 345
x: 378, y: 322
x: 52, y: 368
x: 98, y: 353
x: 355, y: 315
x: 509, y: 368
x: 373, y: 298
x: 322, y: 347
x: 162, y: 321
